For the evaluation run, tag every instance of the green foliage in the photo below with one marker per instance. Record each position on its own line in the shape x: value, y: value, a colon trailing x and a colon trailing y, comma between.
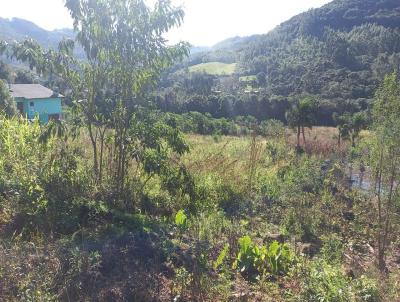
x: 83, y: 215
x: 231, y: 199
x: 272, y: 129
x: 153, y: 141
x: 303, y: 113
x: 110, y: 87
x: 48, y: 181
x: 325, y: 282
x: 181, y: 220
x: 255, y: 261
x: 386, y: 109
x: 350, y: 125
x: 5, y: 70
x: 297, y: 192
x: 7, y: 104
x: 366, y: 289
x: 383, y: 157
x: 332, y: 250
x: 221, y: 257
x: 210, y: 227
x: 279, y: 257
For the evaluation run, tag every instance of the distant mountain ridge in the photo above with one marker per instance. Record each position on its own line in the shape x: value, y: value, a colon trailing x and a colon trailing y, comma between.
x: 19, y: 29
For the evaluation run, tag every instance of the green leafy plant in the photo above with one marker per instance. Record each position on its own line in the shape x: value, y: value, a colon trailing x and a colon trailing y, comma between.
x: 181, y: 220
x: 221, y: 257
x: 255, y: 261
x: 279, y: 257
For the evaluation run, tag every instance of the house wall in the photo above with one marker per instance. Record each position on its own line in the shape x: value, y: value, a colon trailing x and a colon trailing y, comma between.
x: 41, y: 107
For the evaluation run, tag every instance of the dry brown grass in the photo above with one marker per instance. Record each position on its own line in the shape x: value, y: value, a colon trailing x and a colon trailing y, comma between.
x: 321, y: 141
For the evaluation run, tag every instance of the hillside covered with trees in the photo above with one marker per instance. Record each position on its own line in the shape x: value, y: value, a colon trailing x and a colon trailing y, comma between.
x: 338, y: 53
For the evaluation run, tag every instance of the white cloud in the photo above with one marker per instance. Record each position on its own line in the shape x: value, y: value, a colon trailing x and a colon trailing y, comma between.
x: 206, y: 23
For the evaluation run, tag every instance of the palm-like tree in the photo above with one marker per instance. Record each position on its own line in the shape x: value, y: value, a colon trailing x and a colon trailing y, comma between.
x: 302, y: 114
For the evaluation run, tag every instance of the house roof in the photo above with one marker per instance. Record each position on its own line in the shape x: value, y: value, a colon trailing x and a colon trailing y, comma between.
x: 31, y: 91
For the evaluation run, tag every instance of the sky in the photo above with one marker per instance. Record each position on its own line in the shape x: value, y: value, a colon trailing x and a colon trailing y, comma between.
x: 207, y: 22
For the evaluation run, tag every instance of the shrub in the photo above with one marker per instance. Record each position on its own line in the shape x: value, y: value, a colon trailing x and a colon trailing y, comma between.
x: 231, y: 200
x: 326, y: 282
x: 366, y: 289
x: 257, y: 261
x: 272, y: 129
x: 209, y: 227
x: 332, y: 249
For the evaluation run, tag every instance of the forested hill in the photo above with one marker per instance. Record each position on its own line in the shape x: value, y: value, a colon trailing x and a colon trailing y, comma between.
x: 341, y: 15
x: 19, y: 29
x: 338, y: 52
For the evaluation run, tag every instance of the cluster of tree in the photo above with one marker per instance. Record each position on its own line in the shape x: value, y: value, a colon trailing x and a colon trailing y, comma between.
x: 14, y: 75
x: 7, y: 104
x: 384, y: 156
x: 205, y: 124
x: 195, y: 122
x: 350, y: 125
x: 219, y: 103
x: 302, y: 115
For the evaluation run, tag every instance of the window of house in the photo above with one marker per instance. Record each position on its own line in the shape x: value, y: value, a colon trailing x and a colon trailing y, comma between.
x: 31, y: 104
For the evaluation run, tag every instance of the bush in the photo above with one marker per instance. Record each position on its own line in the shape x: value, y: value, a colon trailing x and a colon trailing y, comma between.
x: 332, y: 249
x: 272, y: 129
x: 325, y: 282
x: 257, y: 261
x: 231, y: 200
x: 366, y: 290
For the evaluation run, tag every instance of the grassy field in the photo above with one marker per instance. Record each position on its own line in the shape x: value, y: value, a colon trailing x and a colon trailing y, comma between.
x: 214, y: 68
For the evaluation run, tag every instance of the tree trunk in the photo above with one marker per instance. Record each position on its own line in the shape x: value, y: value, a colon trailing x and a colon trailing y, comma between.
x: 298, y: 136
x: 102, y: 134
x: 93, y: 139
x: 304, y: 135
x: 387, y: 218
x: 381, y: 251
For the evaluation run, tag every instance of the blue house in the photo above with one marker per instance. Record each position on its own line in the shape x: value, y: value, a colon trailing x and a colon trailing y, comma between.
x: 34, y: 100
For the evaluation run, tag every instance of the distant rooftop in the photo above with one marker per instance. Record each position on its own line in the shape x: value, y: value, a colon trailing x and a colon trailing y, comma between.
x: 31, y: 91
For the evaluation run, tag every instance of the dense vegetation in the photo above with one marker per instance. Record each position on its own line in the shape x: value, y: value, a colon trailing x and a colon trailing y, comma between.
x: 125, y: 200
x: 338, y: 53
